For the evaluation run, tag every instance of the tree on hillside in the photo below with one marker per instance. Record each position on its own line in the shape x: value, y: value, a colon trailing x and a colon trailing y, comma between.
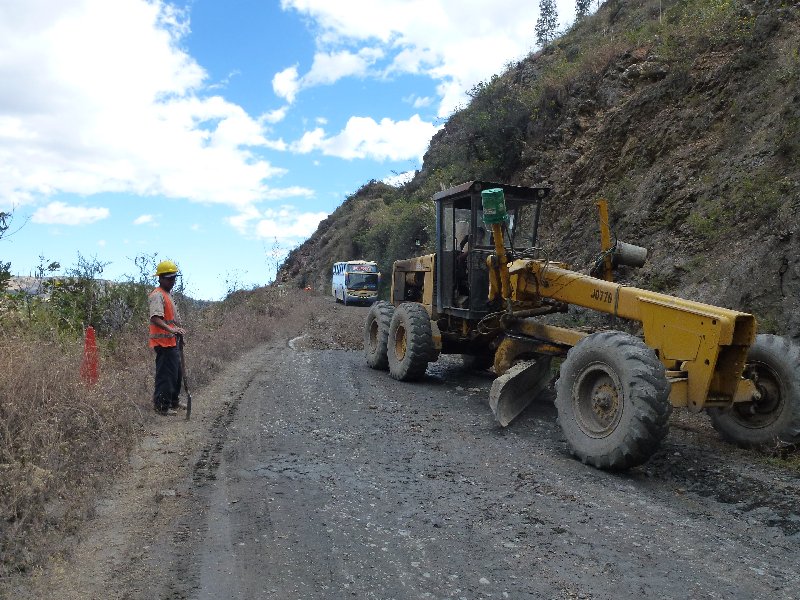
x: 582, y: 8
x: 547, y: 22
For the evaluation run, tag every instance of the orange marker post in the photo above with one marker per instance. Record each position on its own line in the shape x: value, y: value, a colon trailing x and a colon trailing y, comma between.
x: 90, y: 363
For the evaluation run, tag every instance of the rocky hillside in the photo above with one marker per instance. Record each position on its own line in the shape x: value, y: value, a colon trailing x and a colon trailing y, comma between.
x: 685, y: 114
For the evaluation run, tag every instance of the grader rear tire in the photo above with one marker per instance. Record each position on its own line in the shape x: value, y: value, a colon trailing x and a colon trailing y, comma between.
x: 773, y: 363
x: 612, y: 398
x: 376, y: 335
x: 410, y: 342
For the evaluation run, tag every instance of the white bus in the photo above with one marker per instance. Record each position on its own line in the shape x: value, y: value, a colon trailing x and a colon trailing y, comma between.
x: 355, y: 281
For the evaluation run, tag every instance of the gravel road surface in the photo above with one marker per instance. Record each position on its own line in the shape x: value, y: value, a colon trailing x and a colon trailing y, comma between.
x: 309, y: 476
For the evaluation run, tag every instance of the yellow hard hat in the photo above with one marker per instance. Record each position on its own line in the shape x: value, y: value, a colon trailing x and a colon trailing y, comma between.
x: 166, y: 267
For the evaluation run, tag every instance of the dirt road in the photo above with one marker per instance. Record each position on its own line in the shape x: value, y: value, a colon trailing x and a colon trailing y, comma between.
x: 309, y: 476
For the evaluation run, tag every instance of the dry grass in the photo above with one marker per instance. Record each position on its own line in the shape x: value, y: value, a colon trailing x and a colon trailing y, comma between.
x: 58, y: 439
x: 61, y: 441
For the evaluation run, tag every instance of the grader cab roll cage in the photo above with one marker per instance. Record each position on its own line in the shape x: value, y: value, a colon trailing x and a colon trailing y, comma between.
x: 463, y: 287
x: 463, y: 245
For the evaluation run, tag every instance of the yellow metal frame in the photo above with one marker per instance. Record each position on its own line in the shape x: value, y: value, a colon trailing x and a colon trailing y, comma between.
x: 703, y: 347
x: 417, y: 274
x: 605, y: 239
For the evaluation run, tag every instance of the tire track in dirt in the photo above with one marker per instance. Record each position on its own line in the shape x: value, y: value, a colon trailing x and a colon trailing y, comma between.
x: 205, y: 468
x: 185, y: 572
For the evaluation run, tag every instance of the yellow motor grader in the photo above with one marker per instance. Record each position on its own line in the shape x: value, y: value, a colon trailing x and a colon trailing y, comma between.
x: 485, y: 294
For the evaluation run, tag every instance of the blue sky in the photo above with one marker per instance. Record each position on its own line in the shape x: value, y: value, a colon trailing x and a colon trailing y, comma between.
x: 219, y: 133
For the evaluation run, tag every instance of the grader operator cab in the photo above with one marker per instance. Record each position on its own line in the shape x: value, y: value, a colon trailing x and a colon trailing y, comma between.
x: 484, y: 294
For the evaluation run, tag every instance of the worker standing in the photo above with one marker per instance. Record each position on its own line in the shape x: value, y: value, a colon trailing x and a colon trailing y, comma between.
x: 165, y: 327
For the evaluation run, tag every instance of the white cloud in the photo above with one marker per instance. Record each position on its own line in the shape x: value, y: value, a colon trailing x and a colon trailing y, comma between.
x: 241, y: 221
x: 143, y: 219
x: 286, y: 223
x: 457, y: 43
x: 286, y: 84
x: 311, y: 140
x: 399, y: 179
x: 418, y: 102
x: 278, y: 145
x: 276, y: 116
x: 290, y: 192
x: 224, y: 83
x: 59, y: 213
x: 100, y: 96
x: 327, y: 68
x: 330, y: 67
x: 363, y: 137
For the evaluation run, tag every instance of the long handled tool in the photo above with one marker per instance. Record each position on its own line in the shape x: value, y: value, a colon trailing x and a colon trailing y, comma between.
x: 185, y: 383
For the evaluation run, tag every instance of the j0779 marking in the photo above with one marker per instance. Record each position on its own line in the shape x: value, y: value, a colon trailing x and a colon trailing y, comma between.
x: 602, y: 296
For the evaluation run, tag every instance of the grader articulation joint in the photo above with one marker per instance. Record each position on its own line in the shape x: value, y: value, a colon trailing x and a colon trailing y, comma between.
x: 485, y: 292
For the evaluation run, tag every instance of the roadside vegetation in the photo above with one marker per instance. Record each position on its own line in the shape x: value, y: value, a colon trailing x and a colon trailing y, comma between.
x: 62, y: 440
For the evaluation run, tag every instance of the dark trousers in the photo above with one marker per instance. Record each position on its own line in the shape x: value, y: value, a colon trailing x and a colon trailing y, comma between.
x: 168, y: 378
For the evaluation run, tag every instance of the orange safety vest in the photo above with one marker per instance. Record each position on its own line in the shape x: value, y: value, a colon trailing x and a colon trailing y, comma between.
x: 159, y: 336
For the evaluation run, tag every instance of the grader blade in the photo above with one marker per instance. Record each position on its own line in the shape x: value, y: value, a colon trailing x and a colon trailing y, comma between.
x: 513, y: 391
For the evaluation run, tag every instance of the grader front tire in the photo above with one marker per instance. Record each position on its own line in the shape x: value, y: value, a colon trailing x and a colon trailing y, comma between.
x: 612, y: 398
x: 410, y: 342
x: 773, y: 363
x: 376, y: 335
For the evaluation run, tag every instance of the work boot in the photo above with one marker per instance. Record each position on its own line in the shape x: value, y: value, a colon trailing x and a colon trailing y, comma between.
x: 161, y: 404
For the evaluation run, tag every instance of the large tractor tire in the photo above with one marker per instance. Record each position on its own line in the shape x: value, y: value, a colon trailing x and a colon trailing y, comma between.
x: 773, y: 363
x: 376, y: 335
x: 612, y: 397
x: 410, y: 342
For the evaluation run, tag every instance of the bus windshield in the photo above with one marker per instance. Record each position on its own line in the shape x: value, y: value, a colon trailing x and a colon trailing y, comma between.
x: 361, y: 281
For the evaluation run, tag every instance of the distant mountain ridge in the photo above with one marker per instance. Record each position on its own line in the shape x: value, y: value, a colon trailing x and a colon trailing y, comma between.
x: 684, y: 114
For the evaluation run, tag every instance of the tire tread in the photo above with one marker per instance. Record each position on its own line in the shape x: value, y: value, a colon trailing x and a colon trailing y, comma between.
x: 419, y: 343
x: 382, y: 312
x: 785, y: 431
x: 647, y: 391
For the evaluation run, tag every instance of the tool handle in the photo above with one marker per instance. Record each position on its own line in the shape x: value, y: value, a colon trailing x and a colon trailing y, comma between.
x: 183, y: 376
